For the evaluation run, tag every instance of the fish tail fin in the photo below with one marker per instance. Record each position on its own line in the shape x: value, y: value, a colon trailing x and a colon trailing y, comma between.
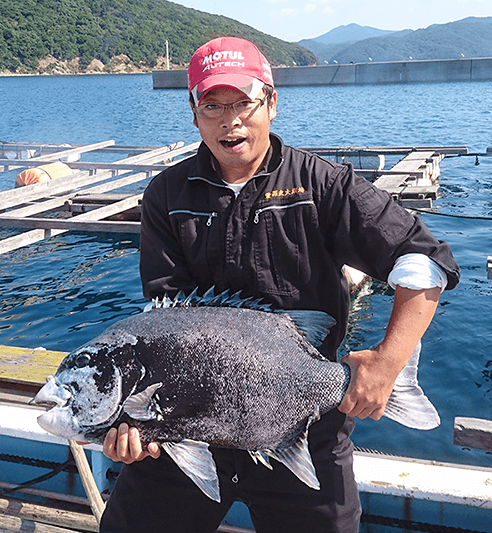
x: 408, y: 404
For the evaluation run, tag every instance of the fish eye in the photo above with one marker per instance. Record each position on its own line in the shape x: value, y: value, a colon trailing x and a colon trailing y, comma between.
x: 82, y: 360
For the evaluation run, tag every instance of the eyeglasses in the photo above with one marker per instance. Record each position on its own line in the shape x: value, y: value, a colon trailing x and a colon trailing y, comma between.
x: 241, y: 108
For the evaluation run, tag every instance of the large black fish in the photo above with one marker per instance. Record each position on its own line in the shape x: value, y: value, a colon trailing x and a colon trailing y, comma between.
x: 215, y: 370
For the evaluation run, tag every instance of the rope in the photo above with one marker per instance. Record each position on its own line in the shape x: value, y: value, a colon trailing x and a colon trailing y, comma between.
x: 39, y: 479
x: 29, y: 461
x: 55, y: 468
x: 410, y: 525
x: 449, y: 214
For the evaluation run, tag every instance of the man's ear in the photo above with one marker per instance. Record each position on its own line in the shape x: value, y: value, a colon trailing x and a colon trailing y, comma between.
x: 272, y: 110
x: 195, y: 123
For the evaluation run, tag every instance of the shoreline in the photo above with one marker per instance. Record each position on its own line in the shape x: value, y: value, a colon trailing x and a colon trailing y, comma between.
x: 120, y: 64
x: 4, y: 74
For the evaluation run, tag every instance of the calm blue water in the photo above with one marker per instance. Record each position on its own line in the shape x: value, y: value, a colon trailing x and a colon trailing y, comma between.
x: 64, y: 291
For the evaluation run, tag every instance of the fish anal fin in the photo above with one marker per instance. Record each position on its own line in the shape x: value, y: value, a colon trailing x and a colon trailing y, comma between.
x: 297, y: 457
x: 197, y: 462
x: 260, y: 457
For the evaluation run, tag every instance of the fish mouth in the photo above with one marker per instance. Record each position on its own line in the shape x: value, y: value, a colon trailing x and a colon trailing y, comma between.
x: 45, y: 404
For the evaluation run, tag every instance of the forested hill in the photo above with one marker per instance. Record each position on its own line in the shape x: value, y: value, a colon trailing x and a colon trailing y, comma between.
x: 71, y: 34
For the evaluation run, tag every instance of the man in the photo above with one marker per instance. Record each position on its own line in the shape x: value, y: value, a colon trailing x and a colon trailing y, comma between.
x: 250, y: 214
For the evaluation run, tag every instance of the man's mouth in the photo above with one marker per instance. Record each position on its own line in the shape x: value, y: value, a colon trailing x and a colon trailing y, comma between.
x: 230, y: 143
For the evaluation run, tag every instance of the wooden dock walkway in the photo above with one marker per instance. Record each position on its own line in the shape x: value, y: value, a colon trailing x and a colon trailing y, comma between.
x: 86, y: 199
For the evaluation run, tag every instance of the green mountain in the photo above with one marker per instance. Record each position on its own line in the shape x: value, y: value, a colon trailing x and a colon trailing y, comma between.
x: 66, y: 30
x: 470, y: 37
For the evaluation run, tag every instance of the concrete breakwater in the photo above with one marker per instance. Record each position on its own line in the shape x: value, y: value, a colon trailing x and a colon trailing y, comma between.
x: 431, y: 71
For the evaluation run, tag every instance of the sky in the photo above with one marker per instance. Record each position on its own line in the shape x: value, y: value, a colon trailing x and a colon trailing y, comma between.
x: 293, y: 20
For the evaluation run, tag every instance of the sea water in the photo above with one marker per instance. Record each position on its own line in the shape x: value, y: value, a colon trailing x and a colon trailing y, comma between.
x: 62, y: 292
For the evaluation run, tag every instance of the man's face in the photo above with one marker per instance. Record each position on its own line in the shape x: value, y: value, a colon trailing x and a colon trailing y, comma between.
x: 239, y: 142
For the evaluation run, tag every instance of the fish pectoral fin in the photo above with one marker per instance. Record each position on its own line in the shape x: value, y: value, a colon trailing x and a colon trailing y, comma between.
x: 297, y: 457
x: 407, y: 403
x: 141, y: 406
x: 197, y: 462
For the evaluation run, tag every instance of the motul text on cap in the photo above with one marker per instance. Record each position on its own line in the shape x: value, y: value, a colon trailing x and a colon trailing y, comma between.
x: 228, y: 62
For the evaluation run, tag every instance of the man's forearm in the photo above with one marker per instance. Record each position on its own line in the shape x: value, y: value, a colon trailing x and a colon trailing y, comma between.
x: 411, y: 315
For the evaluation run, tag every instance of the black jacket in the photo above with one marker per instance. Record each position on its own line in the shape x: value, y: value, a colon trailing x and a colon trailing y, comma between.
x: 284, y: 239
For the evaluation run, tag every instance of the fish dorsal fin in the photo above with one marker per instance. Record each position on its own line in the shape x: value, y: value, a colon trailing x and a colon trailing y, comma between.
x: 197, y: 462
x: 140, y: 406
x: 210, y: 299
x: 315, y: 325
x: 297, y: 458
x: 407, y: 403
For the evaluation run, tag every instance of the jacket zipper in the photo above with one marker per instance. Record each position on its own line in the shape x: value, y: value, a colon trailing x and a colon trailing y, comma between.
x: 210, y: 216
x: 258, y: 212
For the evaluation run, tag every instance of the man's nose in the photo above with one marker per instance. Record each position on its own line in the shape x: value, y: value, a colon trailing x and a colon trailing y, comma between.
x: 230, y: 115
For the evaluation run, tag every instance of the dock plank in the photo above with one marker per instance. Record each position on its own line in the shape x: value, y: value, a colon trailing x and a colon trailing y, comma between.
x: 28, y: 364
x: 412, y: 162
x: 412, y: 191
x: 78, y: 221
x: 11, y: 524
x: 21, y: 195
x: 32, y: 512
x: 473, y: 433
x: 17, y: 241
x: 64, y: 152
x: 409, y: 190
x: 12, y: 198
x: 385, y: 150
x: 102, y: 226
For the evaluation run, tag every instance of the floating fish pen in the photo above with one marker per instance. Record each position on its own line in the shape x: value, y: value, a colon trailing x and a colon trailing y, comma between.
x: 59, y: 192
x: 81, y: 193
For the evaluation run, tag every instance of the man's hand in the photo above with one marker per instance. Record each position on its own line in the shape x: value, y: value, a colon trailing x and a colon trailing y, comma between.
x: 124, y: 445
x: 372, y: 378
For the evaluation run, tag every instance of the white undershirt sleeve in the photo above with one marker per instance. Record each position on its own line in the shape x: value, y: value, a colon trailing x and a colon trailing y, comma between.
x: 417, y: 272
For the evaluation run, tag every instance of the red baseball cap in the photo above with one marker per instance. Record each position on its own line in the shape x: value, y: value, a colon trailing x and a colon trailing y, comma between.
x: 228, y: 62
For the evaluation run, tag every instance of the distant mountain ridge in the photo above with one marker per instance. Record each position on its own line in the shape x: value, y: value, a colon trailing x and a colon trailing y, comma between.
x: 349, y: 33
x: 469, y: 37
